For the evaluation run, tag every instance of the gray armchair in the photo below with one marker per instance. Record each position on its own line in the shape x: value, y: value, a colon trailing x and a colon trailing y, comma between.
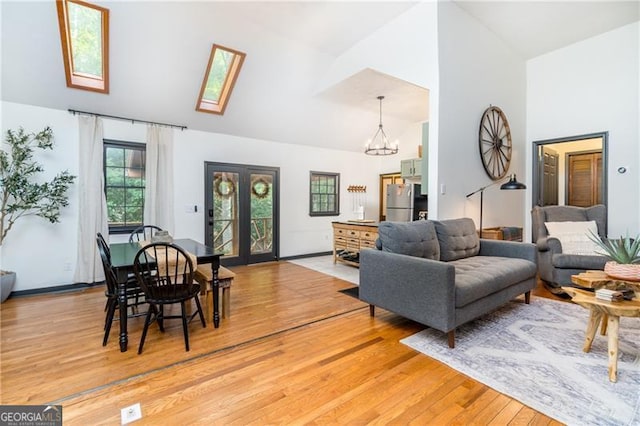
x: 555, y: 267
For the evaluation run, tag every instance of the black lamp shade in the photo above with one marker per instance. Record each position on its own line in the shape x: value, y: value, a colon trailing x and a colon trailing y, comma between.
x: 513, y: 184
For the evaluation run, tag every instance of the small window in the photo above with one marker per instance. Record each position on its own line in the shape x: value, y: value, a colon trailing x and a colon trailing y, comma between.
x: 324, y: 194
x: 124, y: 177
x: 84, y: 33
x: 222, y: 72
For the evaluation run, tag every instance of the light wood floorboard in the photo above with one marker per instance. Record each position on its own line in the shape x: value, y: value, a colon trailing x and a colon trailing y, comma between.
x: 294, y: 351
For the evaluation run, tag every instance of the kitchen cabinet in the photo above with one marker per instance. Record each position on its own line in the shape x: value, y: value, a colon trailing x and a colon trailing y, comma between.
x: 411, y: 168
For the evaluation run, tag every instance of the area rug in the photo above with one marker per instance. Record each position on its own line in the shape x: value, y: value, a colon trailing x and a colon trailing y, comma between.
x: 533, y: 353
x: 325, y: 265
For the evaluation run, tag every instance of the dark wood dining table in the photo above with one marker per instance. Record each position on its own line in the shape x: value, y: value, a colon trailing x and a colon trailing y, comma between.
x: 122, y: 257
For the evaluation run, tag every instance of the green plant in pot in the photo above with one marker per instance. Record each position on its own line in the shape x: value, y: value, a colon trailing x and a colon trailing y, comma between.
x: 624, y: 254
x: 21, y: 192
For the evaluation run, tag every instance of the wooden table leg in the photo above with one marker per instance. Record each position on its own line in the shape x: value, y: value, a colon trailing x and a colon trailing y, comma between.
x: 226, y: 302
x: 215, y: 289
x: 122, y: 308
x: 594, y: 319
x: 209, y: 299
x: 603, y: 329
x: 613, y: 324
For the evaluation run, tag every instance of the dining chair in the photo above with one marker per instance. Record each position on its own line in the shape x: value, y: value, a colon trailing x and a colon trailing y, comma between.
x: 143, y: 233
x: 135, y: 295
x: 165, y: 273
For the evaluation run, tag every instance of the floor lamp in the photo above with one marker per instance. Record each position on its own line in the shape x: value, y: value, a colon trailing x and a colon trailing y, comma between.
x: 511, y: 184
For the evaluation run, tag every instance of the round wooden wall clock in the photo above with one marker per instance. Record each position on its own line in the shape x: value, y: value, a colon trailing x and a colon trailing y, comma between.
x: 494, y: 140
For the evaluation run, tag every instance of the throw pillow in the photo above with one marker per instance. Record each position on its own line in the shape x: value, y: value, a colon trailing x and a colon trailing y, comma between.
x: 458, y: 239
x: 411, y: 238
x: 574, y: 236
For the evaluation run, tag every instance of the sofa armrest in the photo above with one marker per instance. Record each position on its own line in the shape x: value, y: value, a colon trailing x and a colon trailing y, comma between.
x: 416, y: 288
x: 549, y: 244
x: 512, y: 249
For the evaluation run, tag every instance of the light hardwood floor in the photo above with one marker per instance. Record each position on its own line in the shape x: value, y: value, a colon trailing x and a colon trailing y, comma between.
x: 294, y: 351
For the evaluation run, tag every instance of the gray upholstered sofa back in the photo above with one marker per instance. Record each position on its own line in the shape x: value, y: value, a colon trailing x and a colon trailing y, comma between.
x: 416, y: 239
x: 458, y: 239
x: 540, y: 215
x: 444, y: 240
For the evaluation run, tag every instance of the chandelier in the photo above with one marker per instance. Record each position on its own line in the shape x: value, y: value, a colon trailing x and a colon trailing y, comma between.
x: 379, y: 144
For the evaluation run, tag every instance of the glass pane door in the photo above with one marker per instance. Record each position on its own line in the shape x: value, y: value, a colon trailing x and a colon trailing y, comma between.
x: 261, y: 213
x: 241, y: 212
x: 226, y: 201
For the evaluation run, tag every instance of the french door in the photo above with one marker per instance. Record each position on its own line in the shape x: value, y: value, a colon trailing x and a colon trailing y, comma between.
x: 241, y: 215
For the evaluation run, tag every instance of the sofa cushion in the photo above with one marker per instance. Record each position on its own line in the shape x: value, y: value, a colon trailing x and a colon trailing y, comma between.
x: 574, y: 236
x: 577, y: 261
x: 411, y: 238
x: 480, y: 276
x: 458, y: 238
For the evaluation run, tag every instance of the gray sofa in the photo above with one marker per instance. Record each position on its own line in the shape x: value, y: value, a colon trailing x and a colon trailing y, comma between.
x: 440, y: 274
x: 555, y: 266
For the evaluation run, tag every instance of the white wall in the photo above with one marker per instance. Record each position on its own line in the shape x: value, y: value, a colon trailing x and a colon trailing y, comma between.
x: 476, y: 70
x: 41, y: 252
x: 406, y: 48
x: 34, y: 248
x: 588, y: 87
x: 299, y: 233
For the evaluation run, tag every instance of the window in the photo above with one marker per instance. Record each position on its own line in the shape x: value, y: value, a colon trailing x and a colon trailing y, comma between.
x: 124, y: 168
x: 84, y: 33
x: 324, y: 194
x: 222, y: 72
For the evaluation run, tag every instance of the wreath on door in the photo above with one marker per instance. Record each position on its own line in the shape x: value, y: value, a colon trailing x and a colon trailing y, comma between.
x: 260, y: 188
x: 224, y: 188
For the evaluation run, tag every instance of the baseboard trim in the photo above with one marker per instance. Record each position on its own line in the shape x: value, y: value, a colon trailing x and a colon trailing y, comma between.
x: 56, y: 289
x: 303, y: 256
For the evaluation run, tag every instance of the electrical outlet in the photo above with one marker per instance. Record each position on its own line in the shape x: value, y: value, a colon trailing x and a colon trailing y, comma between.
x: 67, y: 266
x: 130, y: 414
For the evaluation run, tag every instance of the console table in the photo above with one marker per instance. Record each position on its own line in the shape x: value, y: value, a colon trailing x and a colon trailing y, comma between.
x: 350, y: 237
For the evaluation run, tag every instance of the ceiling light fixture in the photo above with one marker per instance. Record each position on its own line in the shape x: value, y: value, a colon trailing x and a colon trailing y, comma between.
x: 379, y: 144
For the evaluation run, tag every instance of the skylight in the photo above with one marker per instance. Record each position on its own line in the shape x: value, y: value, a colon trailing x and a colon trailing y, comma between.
x: 219, y: 79
x: 84, y: 34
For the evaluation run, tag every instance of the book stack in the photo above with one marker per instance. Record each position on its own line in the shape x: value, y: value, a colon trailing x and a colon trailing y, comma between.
x: 609, y: 295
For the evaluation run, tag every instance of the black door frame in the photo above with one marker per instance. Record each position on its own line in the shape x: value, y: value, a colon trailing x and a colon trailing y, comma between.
x: 535, y: 159
x: 244, y: 210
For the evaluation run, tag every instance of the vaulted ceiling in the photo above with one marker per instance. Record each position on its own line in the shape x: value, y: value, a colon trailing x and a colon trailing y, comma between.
x: 159, y: 51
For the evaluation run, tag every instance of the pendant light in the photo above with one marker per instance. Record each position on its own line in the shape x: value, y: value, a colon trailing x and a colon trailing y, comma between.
x: 379, y: 144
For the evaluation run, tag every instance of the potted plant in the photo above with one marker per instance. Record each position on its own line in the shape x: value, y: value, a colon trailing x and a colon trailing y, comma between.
x: 21, y: 194
x: 624, y: 254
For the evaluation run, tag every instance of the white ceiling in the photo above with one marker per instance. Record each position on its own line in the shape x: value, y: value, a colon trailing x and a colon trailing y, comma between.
x: 533, y: 28
x: 332, y: 27
x: 157, y: 61
x: 361, y: 90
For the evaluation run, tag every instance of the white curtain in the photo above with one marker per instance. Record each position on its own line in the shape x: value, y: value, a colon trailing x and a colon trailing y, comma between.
x: 158, y: 192
x: 92, y: 201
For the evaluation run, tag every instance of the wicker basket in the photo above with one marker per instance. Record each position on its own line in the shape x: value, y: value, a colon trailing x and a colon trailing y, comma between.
x: 627, y: 272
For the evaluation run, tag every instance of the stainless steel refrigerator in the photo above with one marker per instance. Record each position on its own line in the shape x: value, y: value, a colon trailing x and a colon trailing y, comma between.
x: 405, y: 203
